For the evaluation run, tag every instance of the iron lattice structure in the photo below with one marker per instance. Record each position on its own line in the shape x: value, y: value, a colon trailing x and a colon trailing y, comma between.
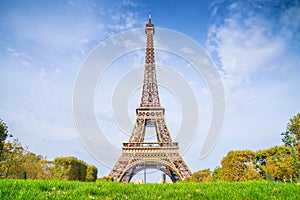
x: 136, y: 153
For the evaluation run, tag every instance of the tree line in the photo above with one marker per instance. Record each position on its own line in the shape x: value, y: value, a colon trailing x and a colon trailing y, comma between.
x: 17, y: 162
x: 279, y: 163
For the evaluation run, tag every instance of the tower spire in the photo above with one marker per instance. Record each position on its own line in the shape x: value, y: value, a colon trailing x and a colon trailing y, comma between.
x: 149, y: 17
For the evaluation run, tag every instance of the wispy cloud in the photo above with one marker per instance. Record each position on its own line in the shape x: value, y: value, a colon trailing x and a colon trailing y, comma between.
x: 56, y: 30
x: 130, y: 3
x: 124, y: 21
x: 247, y: 41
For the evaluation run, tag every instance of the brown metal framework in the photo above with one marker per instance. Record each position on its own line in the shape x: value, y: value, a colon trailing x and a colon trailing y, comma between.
x: 136, y: 153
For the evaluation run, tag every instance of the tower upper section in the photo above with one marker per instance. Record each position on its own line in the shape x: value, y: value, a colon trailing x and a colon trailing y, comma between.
x: 150, y: 96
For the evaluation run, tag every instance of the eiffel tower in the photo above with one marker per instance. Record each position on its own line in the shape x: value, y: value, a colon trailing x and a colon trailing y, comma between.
x: 137, y: 154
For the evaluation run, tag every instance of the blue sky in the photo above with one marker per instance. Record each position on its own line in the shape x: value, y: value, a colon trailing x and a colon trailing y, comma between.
x: 254, y: 45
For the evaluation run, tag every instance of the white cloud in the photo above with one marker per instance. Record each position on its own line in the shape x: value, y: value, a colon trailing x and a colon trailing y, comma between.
x: 244, y: 50
x: 130, y: 3
x: 290, y: 24
x: 67, y: 34
x: 124, y: 21
x: 248, y: 42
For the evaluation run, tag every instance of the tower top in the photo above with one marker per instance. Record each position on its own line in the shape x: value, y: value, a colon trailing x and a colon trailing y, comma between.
x: 149, y: 25
x: 149, y: 17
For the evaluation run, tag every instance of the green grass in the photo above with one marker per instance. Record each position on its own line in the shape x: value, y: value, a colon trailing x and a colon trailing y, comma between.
x: 37, y: 189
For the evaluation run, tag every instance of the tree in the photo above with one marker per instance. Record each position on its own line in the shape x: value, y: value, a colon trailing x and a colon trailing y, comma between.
x: 36, y: 166
x: 91, y: 173
x: 293, y: 127
x: 18, y: 161
x: 69, y: 168
x: 291, y: 138
x: 106, y: 179
x: 239, y: 166
x: 217, y: 174
x: 276, y: 163
x: 200, y: 176
x: 3, y: 135
x: 12, y: 160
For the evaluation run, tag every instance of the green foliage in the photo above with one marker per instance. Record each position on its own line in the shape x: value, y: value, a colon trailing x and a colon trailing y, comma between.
x: 239, y: 166
x: 24, y: 175
x: 217, y: 174
x: 292, y: 139
x: 277, y: 162
x: 36, y: 189
x: 12, y: 160
x: 91, y: 173
x: 106, y: 179
x: 17, y: 160
x: 293, y: 127
x: 269, y: 177
x: 3, y: 135
x: 200, y: 176
x: 69, y: 168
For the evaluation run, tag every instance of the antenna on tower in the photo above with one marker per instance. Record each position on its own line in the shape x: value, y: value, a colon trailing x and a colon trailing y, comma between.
x: 149, y: 17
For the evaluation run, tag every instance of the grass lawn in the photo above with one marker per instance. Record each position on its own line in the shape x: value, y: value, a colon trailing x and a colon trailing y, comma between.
x: 39, y: 189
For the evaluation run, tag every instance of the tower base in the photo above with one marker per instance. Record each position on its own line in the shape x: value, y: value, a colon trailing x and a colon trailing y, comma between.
x: 150, y: 155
